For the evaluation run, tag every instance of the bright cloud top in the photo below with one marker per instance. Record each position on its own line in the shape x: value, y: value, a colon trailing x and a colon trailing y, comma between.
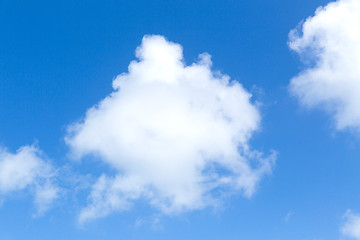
x: 351, y: 226
x: 27, y: 170
x: 330, y: 43
x: 173, y: 132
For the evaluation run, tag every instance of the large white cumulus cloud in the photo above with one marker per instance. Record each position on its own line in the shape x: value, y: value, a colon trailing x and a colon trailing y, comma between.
x: 26, y: 169
x: 330, y: 43
x: 173, y: 132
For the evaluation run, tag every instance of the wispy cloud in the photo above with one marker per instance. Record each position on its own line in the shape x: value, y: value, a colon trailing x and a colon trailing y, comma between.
x: 351, y: 225
x: 26, y: 169
x: 288, y: 216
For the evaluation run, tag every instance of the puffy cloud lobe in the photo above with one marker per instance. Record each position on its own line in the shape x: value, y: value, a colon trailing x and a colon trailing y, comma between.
x: 26, y: 169
x: 173, y: 132
x: 351, y: 226
x: 330, y: 43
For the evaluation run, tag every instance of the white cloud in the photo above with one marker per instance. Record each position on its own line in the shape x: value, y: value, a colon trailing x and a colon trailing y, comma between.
x: 330, y: 44
x: 351, y: 226
x: 26, y: 169
x: 174, y: 133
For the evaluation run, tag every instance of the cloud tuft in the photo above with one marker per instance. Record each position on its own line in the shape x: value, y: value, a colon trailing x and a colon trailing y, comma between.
x: 26, y: 169
x: 329, y: 44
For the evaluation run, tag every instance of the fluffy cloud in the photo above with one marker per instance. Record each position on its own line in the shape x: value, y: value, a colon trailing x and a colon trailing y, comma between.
x: 174, y: 133
x: 351, y: 226
x: 26, y: 169
x: 329, y: 42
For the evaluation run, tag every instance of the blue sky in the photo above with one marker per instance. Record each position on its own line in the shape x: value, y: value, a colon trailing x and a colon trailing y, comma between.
x: 60, y: 58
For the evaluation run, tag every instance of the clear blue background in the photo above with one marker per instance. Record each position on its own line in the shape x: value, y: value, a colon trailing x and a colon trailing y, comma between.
x: 58, y: 58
